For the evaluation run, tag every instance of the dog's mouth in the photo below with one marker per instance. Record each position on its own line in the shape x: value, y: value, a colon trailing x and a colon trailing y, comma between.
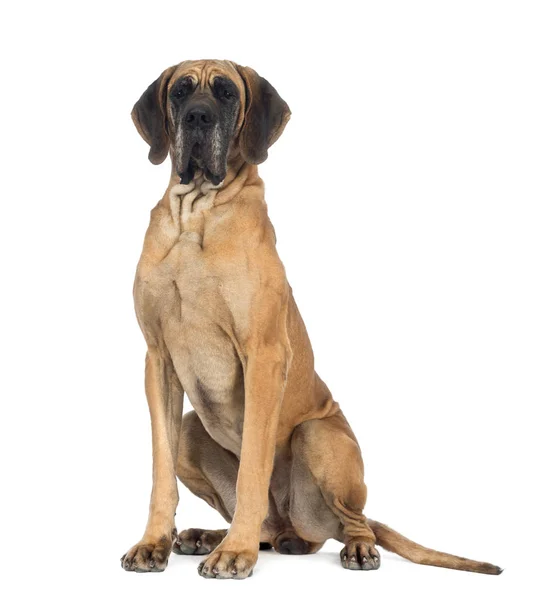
x: 196, y: 152
x: 197, y: 160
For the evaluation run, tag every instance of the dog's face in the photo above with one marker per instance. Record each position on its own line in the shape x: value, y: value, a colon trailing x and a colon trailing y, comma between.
x: 206, y: 112
x: 203, y: 110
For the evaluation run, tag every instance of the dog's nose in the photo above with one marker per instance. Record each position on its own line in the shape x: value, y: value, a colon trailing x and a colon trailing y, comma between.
x: 200, y: 116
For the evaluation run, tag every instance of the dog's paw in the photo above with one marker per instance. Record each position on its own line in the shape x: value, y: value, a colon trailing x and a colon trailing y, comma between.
x: 360, y: 555
x: 289, y: 543
x: 224, y: 564
x: 148, y: 556
x: 198, y: 541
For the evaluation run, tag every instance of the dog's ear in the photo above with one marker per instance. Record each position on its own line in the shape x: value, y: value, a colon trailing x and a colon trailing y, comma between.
x: 265, y: 117
x: 149, y: 117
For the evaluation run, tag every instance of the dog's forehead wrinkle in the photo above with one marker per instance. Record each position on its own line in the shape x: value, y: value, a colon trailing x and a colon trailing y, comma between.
x: 203, y: 72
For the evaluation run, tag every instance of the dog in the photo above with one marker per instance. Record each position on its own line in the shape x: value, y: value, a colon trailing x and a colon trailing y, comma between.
x: 267, y: 445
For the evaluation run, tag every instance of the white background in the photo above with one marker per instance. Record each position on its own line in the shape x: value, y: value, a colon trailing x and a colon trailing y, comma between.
x: 407, y: 193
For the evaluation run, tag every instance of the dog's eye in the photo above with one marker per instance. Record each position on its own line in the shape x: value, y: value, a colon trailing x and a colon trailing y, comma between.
x: 183, y: 88
x: 224, y: 89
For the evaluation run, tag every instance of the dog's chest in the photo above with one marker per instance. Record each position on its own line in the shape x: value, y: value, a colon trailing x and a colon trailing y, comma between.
x: 181, y: 307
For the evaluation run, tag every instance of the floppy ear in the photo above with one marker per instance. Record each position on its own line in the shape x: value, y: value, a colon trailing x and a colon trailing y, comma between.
x: 265, y: 117
x: 149, y: 117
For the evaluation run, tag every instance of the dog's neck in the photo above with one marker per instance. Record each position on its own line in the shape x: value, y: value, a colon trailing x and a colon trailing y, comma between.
x: 188, y: 200
x: 188, y: 203
x: 239, y: 174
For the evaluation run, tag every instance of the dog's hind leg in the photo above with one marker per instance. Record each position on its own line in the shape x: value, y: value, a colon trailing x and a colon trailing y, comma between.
x: 328, y: 492
x: 210, y: 472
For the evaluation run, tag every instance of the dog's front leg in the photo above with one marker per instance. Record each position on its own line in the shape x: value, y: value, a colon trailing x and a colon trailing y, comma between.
x: 165, y: 401
x: 265, y: 379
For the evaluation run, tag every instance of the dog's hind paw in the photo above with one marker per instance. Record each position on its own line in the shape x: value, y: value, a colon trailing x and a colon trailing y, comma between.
x: 360, y: 555
x: 198, y: 541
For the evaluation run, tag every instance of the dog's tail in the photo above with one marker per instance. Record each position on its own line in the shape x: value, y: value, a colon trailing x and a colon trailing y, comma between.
x: 395, y: 542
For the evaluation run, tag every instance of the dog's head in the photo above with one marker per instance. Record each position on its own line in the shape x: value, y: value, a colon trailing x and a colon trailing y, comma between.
x: 206, y: 112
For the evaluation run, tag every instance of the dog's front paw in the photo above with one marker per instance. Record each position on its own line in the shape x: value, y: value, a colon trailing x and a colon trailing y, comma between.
x: 226, y: 564
x: 148, y: 556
